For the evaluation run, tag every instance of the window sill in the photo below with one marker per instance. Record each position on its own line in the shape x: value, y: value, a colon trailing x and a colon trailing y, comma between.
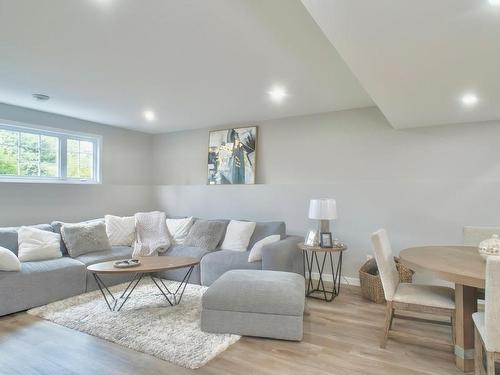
x: 47, y: 181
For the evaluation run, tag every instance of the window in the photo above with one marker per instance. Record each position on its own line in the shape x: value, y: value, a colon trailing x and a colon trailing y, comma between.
x: 80, y: 160
x: 32, y: 154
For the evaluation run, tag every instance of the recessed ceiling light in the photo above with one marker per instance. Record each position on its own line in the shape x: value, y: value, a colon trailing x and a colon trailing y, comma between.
x: 494, y: 2
x: 103, y: 2
x: 41, y: 97
x: 149, y: 115
x: 277, y: 94
x: 470, y: 99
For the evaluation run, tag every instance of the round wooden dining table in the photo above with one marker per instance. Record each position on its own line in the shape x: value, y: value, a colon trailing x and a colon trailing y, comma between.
x: 463, y: 266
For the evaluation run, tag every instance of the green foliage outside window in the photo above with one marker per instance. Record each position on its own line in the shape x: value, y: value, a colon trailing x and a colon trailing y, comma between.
x: 27, y: 154
x: 32, y: 154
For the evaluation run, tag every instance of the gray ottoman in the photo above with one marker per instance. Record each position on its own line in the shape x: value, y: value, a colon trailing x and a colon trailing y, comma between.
x: 255, y: 303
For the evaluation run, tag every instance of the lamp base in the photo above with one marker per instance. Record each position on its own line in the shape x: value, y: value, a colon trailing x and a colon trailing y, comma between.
x: 324, y: 226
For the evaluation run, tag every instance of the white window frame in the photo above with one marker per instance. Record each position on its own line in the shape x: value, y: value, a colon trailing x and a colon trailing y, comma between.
x: 63, y: 135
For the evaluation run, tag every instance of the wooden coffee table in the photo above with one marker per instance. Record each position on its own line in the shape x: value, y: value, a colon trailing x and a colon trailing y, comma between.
x: 148, y: 266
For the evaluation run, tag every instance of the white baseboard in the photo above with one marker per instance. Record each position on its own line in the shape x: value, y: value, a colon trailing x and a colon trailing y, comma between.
x: 345, y: 280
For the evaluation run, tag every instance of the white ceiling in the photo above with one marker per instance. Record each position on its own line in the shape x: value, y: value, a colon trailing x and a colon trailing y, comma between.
x: 417, y: 58
x: 195, y: 63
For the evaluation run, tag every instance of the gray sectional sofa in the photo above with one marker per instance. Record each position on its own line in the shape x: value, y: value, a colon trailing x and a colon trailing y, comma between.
x: 46, y: 281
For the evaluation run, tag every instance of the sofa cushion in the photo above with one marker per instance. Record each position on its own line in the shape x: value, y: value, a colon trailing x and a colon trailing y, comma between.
x: 266, y: 229
x: 238, y: 234
x: 39, y: 283
x: 85, y: 238
x: 8, y: 260
x: 37, y: 244
x: 215, y: 264
x: 120, y: 230
x: 184, y: 251
x: 8, y: 236
x: 255, y: 253
x: 206, y: 234
x: 116, y: 253
x: 179, y: 228
x: 57, y: 225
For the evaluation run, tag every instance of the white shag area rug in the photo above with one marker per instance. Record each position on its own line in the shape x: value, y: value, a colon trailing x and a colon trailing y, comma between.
x: 146, y: 323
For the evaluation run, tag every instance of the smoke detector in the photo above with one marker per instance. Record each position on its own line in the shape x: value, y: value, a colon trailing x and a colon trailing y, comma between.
x: 41, y: 97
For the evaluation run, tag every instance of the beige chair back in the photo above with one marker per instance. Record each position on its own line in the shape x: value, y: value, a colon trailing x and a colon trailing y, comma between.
x: 472, y: 236
x: 492, y: 304
x: 385, y: 263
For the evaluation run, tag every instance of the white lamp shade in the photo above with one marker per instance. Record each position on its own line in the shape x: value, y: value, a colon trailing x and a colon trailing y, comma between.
x: 323, y: 209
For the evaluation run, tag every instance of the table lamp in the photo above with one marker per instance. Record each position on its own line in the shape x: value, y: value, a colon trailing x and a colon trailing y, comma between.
x: 324, y: 210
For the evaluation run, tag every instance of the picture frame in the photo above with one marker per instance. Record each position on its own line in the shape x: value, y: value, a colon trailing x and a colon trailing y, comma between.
x: 232, y: 156
x: 326, y: 240
x: 312, y: 238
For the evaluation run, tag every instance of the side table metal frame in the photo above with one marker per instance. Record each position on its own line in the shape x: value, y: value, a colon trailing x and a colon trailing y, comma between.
x: 313, y: 259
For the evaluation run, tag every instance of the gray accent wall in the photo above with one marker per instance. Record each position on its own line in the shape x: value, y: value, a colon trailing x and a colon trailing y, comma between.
x: 127, y: 177
x: 423, y: 185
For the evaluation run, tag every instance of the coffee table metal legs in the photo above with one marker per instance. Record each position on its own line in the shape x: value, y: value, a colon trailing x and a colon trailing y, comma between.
x: 175, y: 297
x: 319, y: 291
x: 113, y: 302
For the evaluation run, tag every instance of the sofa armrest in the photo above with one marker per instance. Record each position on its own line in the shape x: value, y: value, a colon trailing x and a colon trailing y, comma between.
x: 284, y: 256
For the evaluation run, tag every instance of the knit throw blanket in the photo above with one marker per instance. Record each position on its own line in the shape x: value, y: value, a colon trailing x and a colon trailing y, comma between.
x: 151, y: 234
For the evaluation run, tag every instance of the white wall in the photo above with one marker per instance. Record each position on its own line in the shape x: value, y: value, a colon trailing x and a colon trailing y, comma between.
x: 423, y: 185
x: 126, y: 177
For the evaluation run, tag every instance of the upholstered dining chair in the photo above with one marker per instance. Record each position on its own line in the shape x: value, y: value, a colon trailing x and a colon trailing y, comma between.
x: 473, y: 236
x: 428, y: 299
x: 487, y: 323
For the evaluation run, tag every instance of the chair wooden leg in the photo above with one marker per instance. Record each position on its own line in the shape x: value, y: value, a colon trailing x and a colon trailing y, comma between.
x: 389, y: 315
x: 478, y: 353
x: 453, y: 328
x: 490, y: 363
x: 392, y: 319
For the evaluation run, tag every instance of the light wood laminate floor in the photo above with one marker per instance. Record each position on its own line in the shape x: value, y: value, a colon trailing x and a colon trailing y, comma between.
x: 341, y: 337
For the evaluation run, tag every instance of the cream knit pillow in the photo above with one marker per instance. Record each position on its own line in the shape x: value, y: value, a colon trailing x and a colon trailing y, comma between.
x: 120, y: 230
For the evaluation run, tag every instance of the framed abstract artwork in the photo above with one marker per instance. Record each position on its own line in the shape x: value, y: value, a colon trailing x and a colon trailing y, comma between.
x: 231, y: 156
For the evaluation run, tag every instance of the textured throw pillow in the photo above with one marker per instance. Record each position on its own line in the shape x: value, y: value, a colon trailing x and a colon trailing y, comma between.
x: 57, y: 225
x: 8, y: 260
x: 205, y: 234
x: 120, y: 230
x: 256, y: 251
x: 85, y: 238
x: 37, y: 244
x: 238, y: 235
x: 179, y: 229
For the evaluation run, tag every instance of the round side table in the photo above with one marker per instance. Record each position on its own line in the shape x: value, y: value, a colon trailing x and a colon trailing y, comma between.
x: 311, y: 258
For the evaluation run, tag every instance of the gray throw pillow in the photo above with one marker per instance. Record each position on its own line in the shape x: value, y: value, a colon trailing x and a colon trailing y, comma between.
x: 57, y: 225
x: 205, y: 234
x: 85, y: 238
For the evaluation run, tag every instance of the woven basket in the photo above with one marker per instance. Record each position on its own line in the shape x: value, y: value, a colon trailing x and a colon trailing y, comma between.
x: 371, y: 285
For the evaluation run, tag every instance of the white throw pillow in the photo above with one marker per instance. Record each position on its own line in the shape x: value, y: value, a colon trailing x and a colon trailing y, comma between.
x: 179, y: 228
x: 37, y: 244
x: 256, y: 252
x: 8, y: 260
x: 120, y: 230
x: 238, y: 234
